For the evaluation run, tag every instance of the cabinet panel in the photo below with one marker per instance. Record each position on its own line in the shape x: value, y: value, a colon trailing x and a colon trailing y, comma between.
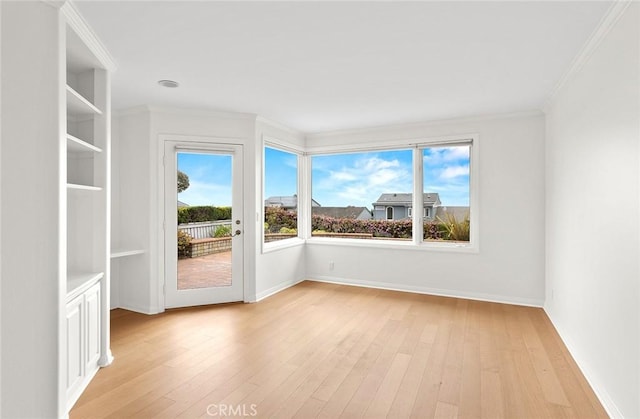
x: 75, y: 345
x: 92, y: 307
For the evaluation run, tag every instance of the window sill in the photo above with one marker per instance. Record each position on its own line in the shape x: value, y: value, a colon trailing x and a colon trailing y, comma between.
x: 396, y: 244
x: 282, y: 244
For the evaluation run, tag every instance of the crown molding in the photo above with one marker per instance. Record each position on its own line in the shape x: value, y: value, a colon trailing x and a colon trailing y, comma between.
x: 279, y: 126
x: 608, y: 21
x: 81, y: 27
x: 424, y: 124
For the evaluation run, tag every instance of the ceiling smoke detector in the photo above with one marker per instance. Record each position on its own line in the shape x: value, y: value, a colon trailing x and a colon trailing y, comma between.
x: 168, y: 83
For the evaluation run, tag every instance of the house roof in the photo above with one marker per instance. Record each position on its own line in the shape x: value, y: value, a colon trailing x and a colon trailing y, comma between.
x: 340, y: 212
x: 290, y: 201
x: 429, y: 198
x: 182, y: 204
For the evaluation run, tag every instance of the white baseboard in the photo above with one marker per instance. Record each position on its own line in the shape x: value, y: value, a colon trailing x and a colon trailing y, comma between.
x: 276, y: 289
x: 141, y: 310
x: 600, y: 391
x: 431, y: 291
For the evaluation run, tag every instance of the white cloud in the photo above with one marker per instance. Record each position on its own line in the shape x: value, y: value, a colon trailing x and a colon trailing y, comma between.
x: 362, y: 182
x: 451, y: 172
x: 441, y: 155
x: 200, y: 193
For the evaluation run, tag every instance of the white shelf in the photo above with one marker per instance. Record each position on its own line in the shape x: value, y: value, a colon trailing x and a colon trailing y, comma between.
x: 119, y: 253
x: 78, y: 282
x: 78, y: 105
x: 83, y: 187
x: 76, y: 145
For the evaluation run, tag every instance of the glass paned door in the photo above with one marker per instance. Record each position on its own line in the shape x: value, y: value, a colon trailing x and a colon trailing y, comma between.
x: 203, y: 224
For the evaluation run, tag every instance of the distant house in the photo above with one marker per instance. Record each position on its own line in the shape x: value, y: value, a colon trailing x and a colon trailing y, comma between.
x: 460, y: 213
x: 350, y: 212
x: 399, y: 206
x: 286, y: 202
x: 182, y: 204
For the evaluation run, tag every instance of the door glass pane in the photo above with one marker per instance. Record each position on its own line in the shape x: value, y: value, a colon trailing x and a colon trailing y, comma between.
x: 205, y: 226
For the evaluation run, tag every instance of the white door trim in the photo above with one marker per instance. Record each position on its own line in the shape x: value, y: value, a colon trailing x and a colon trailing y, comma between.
x: 170, y: 147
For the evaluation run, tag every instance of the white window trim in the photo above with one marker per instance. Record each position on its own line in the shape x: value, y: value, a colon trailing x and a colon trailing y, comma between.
x: 473, y: 246
x: 293, y: 241
x: 417, y: 145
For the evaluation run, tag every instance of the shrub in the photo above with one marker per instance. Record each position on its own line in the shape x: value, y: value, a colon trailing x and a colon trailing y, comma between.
x: 456, y: 230
x: 203, y: 213
x: 287, y: 230
x: 184, y: 243
x: 221, y: 231
x: 435, y: 231
x: 277, y: 218
x: 280, y: 220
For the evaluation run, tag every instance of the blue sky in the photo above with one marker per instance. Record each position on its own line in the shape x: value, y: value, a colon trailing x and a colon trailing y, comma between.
x: 338, y: 179
x: 360, y: 178
x: 446, y: 171
x: 281, y: 173
x: 209, y: 179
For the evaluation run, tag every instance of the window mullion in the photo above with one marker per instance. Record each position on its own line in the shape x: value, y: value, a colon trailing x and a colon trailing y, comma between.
x: 418, y: 201
x: 304, y: 191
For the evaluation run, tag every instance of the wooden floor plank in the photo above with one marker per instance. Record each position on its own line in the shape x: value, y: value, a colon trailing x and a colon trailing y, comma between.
x: 326, y: 350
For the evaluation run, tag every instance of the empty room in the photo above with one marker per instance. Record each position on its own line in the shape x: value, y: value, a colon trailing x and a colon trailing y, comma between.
x: 310, y: 209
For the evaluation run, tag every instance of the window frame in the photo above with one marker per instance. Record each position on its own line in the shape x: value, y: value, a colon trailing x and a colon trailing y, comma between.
x: 278, y: 145
x: 417, y: 145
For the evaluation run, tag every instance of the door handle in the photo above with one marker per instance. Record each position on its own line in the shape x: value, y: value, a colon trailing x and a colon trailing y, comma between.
x: 237, y: 233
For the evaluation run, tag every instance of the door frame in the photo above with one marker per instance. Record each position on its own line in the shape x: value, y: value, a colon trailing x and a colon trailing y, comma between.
x: 159, y: 209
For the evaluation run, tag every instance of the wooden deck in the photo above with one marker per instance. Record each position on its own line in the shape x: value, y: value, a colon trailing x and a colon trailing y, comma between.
x: 323, y: 350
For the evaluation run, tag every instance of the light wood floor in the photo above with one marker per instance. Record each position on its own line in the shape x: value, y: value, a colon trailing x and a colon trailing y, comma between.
x: 322, y: 350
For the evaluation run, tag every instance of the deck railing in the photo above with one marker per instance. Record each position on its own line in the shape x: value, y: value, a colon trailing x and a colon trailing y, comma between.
x: 203, y: 230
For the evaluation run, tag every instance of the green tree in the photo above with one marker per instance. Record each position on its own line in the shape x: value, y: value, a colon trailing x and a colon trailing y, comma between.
x: 183, y: 181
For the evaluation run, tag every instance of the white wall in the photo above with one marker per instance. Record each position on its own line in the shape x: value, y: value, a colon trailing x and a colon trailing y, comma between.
x: 0, y: 211
x: 280, y: 267
x: 509, y: 266
x: 592, y: 210
x: 115, y: 212
x: 30, y: 207
x: 131, y: 276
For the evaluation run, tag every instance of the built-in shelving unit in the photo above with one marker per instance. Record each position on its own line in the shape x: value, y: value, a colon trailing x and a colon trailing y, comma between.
x: 120, y: 253
x: 78, y: 105
x: 85, y: 86
x: 76, y: 145
x: 83, y: 187
x: 77, y: 282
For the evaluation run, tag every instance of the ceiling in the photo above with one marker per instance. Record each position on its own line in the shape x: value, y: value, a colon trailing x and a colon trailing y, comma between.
x: 320, y: 66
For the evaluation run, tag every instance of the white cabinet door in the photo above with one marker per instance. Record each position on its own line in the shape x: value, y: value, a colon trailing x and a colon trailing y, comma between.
x: 75, y: 345
x: 83, y: 341
x: 92, y: 310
